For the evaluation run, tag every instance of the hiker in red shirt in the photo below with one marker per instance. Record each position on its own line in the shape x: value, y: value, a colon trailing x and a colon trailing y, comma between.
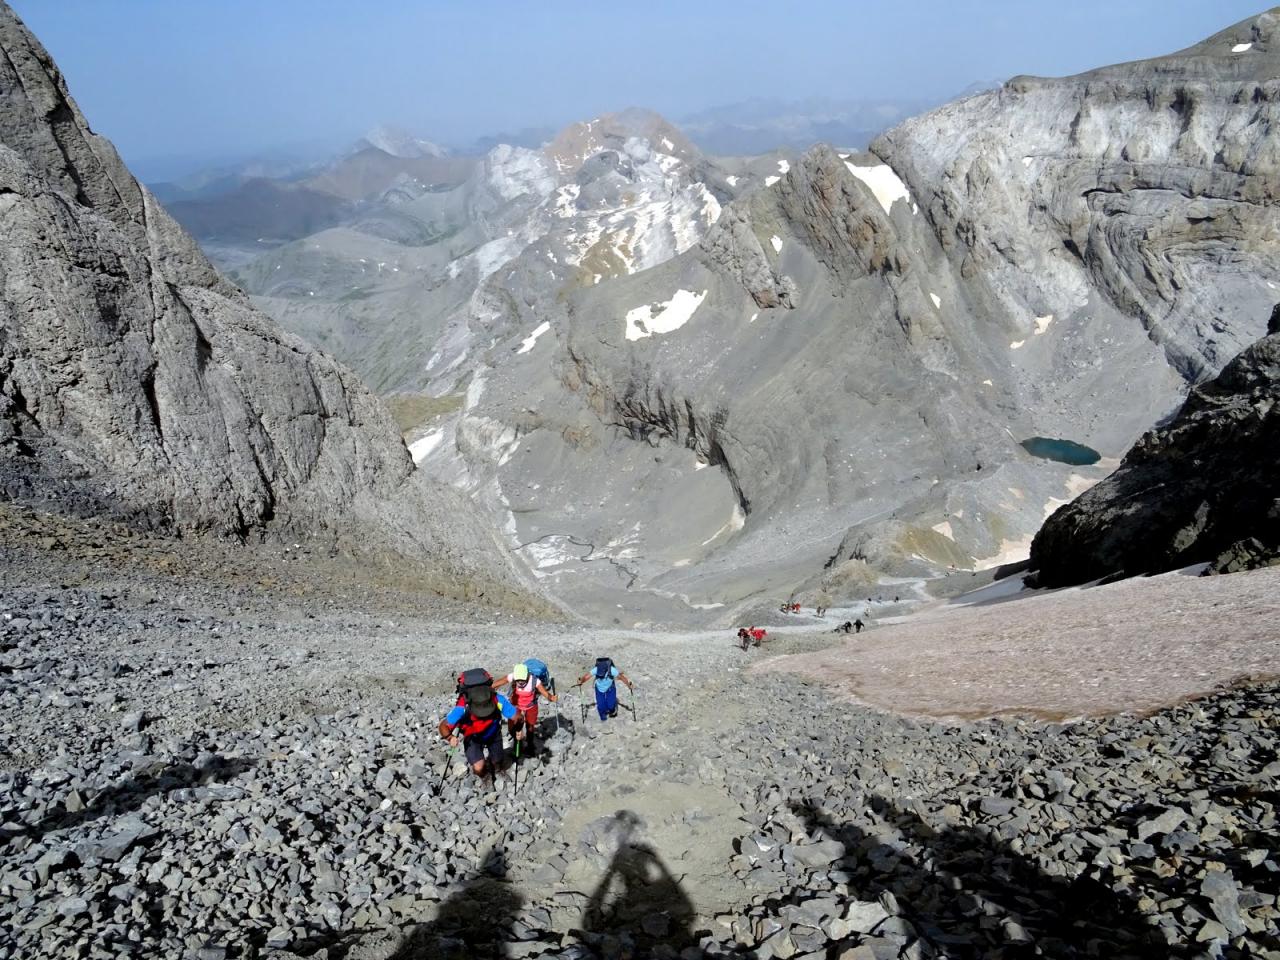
x: 525, y: 690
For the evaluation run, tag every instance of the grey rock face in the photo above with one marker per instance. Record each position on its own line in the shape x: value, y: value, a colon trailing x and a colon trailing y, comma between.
x: 1199, y: 489
x: 136, y: 381
x: 1122, y: 183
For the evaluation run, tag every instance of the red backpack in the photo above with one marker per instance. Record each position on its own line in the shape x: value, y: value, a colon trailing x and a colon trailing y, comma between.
x: 476, y: 696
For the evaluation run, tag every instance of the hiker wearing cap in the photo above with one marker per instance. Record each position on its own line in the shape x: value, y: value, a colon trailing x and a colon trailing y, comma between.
x: 526, y: 687
x: 477, y: 719
x: 606, y: 675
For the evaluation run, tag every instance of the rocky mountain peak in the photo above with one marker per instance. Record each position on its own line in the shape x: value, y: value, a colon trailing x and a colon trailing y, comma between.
x: 398, y: 143
x: 580, y: 141
x: 43, y: 127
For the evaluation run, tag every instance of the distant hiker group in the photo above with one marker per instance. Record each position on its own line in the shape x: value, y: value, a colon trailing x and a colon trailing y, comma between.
x: 850, y: 626
x: 751, y: 636
x: 476, y: 719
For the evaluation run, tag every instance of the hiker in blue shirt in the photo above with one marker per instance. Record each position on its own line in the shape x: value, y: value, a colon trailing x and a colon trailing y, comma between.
x: 606, y: 675
x: 478, y: 717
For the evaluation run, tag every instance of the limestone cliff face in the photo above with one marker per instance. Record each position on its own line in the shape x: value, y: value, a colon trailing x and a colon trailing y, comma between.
x: 1201, y: 489
x: 1152, y: 185
x: 136, y: 381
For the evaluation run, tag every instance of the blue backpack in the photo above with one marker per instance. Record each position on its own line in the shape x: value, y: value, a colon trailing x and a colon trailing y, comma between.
x: 539, y: 670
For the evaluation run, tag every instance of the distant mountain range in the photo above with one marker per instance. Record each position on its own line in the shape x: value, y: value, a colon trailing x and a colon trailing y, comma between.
x: 238, y: 210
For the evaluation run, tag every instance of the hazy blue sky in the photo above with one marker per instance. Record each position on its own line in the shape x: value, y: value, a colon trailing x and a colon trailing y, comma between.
x: 217, y: 78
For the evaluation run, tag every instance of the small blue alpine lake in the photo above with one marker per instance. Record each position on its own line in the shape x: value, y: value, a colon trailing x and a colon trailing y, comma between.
x: 1063, y: 451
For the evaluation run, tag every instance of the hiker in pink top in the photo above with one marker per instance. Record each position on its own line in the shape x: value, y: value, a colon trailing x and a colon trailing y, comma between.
x: 525, y: 690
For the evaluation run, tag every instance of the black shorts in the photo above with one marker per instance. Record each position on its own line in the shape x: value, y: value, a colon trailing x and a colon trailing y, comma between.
x: 476, y: 749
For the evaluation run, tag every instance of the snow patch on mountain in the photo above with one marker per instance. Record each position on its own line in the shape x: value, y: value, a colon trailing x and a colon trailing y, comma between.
x: 737, y: 520
x: 421, y: 448
x: 672, y: 315
x: 883, y: 182
x: 527, y: 343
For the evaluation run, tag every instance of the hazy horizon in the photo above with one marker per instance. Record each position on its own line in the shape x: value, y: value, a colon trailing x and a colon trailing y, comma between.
x: 178, y: 86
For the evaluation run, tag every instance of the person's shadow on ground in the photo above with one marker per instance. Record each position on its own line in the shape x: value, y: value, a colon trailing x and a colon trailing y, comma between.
x: 638, y: 903
x: 971, y: 895
x: 475, y: 923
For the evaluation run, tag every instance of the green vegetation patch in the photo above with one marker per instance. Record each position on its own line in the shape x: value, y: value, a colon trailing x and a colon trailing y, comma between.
x: 410, y: 410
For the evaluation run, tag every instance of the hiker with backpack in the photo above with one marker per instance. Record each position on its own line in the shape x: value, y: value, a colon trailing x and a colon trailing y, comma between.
x: 476, y: 719
x: 528, y: 681
x: 606, y: 676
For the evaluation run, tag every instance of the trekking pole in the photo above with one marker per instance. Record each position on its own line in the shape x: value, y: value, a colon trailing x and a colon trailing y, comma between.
x: 444, y: 774
x: 633, y: 703
x: 557, y: 702
x: 515, y: 774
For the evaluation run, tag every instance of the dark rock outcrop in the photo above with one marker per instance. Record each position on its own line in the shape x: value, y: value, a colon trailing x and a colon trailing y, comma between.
x: 1202, y: 488
x: 137, y: 382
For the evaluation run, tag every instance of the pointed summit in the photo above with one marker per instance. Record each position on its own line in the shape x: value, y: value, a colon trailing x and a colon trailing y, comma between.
x: 398, y: 143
